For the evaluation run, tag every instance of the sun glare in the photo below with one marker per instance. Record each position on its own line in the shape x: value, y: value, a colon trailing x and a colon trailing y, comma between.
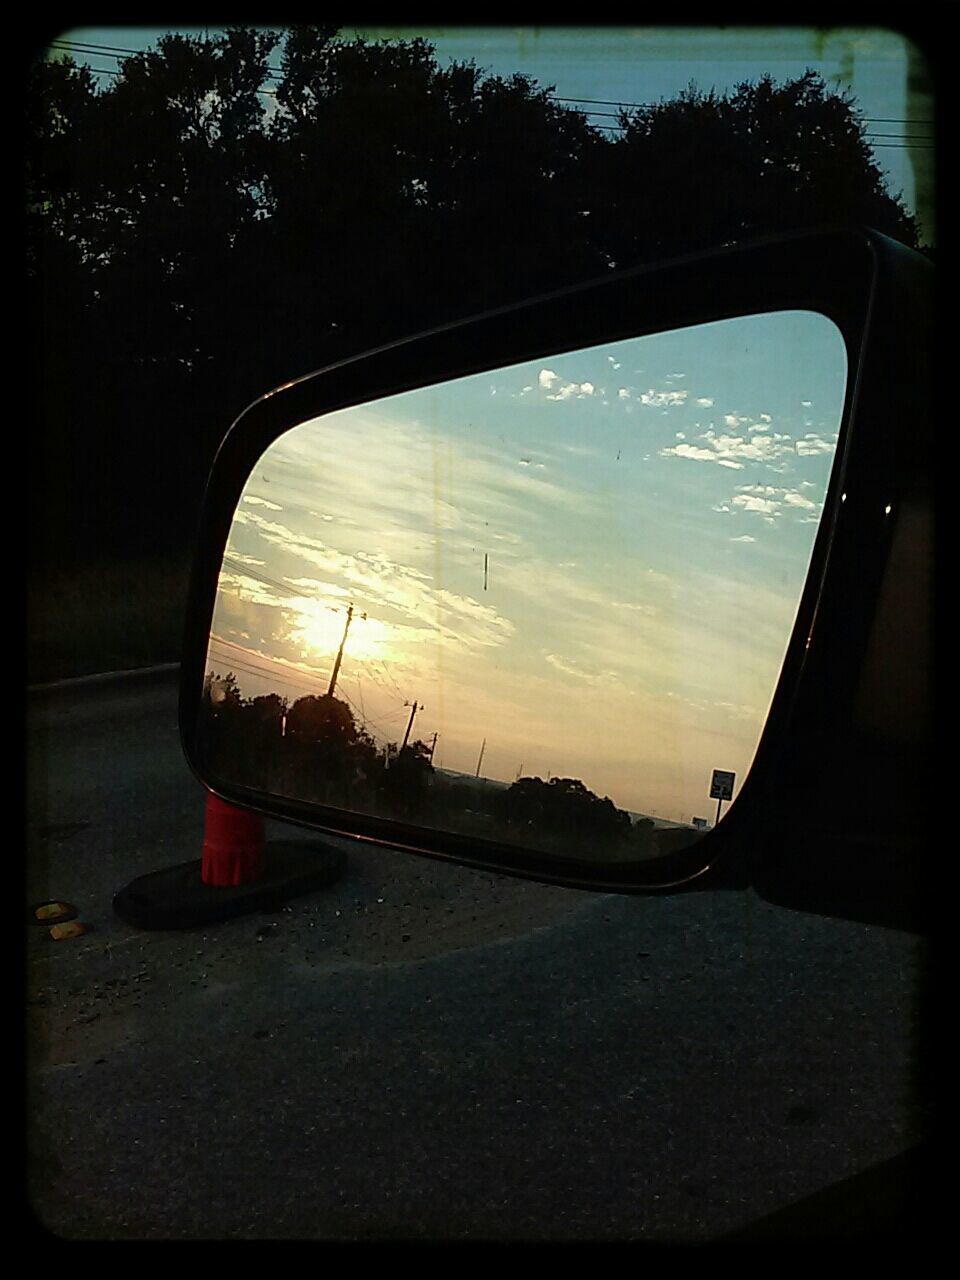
x: 319, y: 630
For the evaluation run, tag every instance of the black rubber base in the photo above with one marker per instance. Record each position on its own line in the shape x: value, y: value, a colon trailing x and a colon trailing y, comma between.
x: 177, y: 898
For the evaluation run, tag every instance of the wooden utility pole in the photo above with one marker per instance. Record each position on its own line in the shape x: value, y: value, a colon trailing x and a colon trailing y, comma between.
x: 336, y: 665
x: 480, y: 759
x: 413, y: 712
x: 433, y: 745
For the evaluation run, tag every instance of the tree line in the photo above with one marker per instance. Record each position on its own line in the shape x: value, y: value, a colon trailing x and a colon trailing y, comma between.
x: 313, y: 749
x: 235, y: 210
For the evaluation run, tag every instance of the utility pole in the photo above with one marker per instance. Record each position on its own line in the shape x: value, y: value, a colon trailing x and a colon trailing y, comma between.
x: 413, y: 712
x: 433, y: 745
x: 482, y: 748
x: 336, y: 665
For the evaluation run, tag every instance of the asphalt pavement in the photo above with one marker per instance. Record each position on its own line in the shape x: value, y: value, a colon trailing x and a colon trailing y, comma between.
x: 424, y: 1051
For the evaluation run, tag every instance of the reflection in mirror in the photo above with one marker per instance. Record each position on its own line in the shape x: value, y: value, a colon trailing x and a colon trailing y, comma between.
x: 541, y: 605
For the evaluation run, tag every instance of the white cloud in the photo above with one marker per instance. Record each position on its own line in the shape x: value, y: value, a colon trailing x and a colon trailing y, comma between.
x: 696, y: 454
x: 238, y: 555
x: 812, y: 444
x: 750, y: 502
x: 733, y: 451
x: 794, y: 499
x: 744, y: 537
x: 770, y: 500
x: 658, y: 399
x: 558, y: 389
x: 705, y: 402
x: 585, y: 674
x: 623, y: 393
x: 261, y: 502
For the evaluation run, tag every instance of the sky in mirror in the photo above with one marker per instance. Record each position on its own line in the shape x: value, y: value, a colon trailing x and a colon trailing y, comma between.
x: 588, y: 565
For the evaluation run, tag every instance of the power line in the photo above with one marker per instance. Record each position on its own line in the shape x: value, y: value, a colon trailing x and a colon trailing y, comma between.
x: 907, y: 143
x: 249, y: 662
x: 237, y: 566
x: 276, y: 73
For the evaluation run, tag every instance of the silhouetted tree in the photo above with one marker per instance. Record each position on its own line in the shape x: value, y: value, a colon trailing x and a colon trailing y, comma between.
x: 563, y: 809
x: 708, y: 169
x: 192, y: 242
x: 404, y: 784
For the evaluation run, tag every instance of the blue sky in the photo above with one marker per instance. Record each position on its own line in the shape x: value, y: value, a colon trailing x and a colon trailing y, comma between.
x: 593, y: 561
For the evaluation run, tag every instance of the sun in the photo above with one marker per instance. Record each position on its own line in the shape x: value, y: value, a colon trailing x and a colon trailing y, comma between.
x: 319, y: 631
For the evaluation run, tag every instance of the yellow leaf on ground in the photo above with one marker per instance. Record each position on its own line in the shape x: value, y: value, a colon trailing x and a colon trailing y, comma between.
x: 71, y: 930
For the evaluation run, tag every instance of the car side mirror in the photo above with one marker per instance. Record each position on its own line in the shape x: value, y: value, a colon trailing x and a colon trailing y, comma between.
x: 548, y: 591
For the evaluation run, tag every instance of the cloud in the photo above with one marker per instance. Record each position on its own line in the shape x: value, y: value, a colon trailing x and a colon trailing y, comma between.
x: 623, y: 393
x: 547, y: 378
x: 812, y: 444
x: 696, y: 454
x: 744, y: 537
x: 571, y: 390
x: 794, y: 499
x: 705, y: 402
x: 377, y: 580
x: 316, y: 586
x: 660, y: 399
x: 770, y: 500
x: 733, y: 450
x: 750, y: 502
x: 251, y: 560
x: 737, y: 710
x: 261, y: 502
x: 587, y: 675
x: 648, y: 610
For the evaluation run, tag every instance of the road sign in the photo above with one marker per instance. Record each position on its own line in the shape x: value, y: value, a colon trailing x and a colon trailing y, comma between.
x: 701, y: 823
x: 722, y: 786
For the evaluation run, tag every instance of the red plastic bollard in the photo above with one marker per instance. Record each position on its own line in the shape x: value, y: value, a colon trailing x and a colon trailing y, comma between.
x: 232, y: 844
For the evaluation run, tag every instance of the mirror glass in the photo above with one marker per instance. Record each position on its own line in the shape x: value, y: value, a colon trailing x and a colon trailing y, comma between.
x: 546, y: 605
